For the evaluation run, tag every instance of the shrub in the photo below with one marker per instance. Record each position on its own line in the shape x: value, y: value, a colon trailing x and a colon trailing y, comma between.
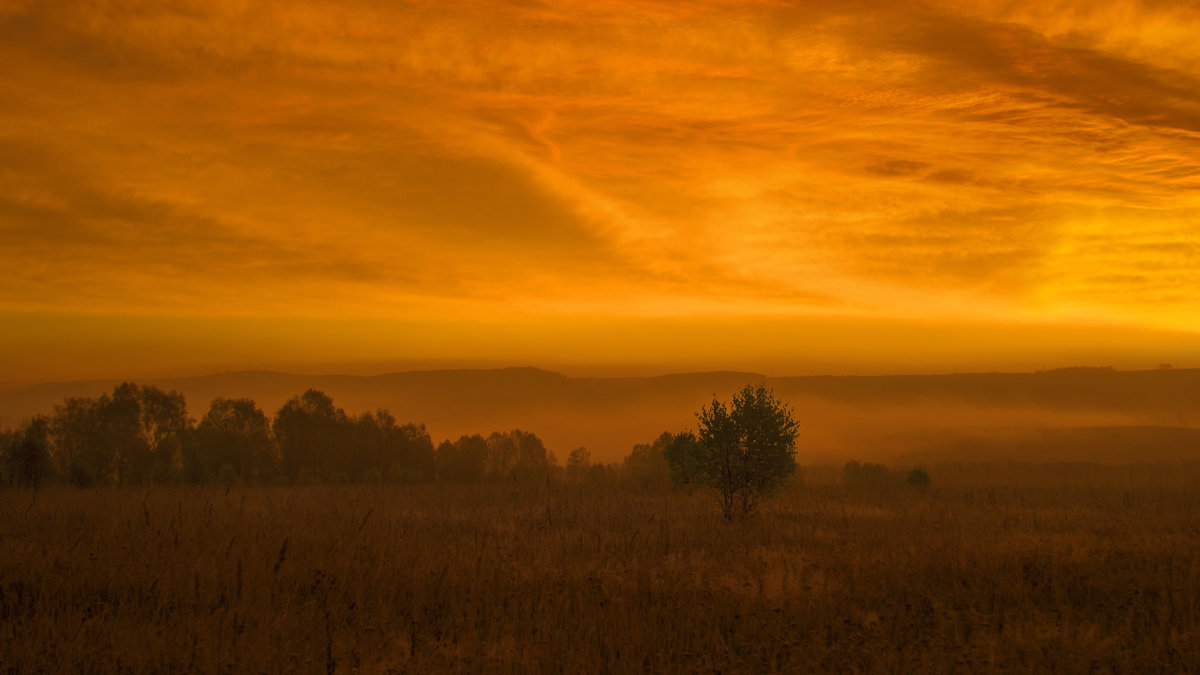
x: 919, y: 477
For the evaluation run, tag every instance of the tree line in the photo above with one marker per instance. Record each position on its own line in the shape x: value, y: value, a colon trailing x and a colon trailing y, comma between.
x: 140, y: 435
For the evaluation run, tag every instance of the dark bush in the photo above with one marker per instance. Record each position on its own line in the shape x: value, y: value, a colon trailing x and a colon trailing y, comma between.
x: 918, y: 476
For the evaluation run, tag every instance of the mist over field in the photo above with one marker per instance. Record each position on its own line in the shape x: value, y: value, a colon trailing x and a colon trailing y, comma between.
x: 1072, y: 414
x: 1038, y: 522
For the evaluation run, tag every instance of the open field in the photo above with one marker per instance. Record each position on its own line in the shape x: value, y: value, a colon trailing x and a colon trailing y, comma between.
x: 996, y: 567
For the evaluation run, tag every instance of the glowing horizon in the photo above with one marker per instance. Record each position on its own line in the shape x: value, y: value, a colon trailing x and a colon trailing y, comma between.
x: 203, y: 182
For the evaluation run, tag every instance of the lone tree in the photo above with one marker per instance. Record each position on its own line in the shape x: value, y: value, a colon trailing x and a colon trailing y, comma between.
x: 746, y: 451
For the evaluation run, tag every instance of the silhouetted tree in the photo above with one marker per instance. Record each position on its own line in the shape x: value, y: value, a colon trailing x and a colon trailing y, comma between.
x: 463, y: 461
x: 366, y: 446
x: 516, y: 455
x: 79, y: 452
x: 405, y: 450
x: 234, y: 433
x: 647, y: 465
x: 164, y: 421
x: 307, y: 429
x: 131, y: 436
x: 27, y: 458
x: 749, y: 449
x: 602, y: 474
x: 685, y: 459
x: 578, y: 464
x: 120, y: 434
x: 7, y: 438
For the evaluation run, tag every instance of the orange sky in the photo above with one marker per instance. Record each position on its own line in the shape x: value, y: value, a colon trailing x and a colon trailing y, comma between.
x: 787, y: 186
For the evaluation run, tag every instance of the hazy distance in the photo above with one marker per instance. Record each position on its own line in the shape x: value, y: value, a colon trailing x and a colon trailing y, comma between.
x: 1073, y: 414
x: 56, y: 347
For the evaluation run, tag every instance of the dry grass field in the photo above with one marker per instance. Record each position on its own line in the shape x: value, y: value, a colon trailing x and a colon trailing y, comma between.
x: 995, y: 568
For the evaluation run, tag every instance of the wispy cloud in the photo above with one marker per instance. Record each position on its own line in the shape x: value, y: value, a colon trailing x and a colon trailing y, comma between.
x: 1010, y: 160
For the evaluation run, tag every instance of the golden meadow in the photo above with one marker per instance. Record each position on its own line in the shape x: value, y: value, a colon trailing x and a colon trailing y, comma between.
x: 995, y: 567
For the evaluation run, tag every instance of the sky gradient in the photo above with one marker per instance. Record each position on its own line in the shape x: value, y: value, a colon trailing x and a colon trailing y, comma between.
x: 788, y: 186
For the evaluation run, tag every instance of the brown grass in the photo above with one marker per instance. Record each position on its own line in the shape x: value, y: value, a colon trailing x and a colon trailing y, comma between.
x: 1014, y: 567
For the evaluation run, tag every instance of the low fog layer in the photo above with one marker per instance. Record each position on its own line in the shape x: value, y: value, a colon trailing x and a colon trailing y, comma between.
x: 1090, y: 414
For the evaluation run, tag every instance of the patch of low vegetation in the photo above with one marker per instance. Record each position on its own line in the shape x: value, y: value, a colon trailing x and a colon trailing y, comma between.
x: 1031, y: 568
x: 918, y: 477
x: 870, y: 475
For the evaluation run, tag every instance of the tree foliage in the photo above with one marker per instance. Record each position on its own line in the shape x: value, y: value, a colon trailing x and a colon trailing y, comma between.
x: 135, y: 434
x: 7, y: 438
x: 646, y: 465
x: 318, y: 442
x: 463, y: 461
x: 518, y: 456
x: 578, y: 463
x: 685, y: 460
x: 27, y: 457
x: 233, y: 433
x: 163, y: 423
x: 747, y: 450
x: 403, y: 451
x: 306, y: 429
x: 130, y: 437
